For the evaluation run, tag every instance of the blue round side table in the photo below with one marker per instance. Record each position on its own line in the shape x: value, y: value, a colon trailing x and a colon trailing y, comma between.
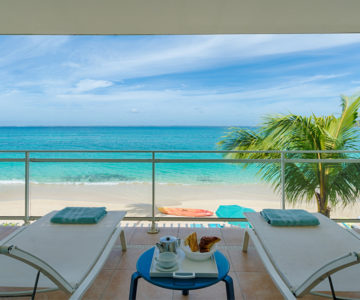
x: 143, y: 271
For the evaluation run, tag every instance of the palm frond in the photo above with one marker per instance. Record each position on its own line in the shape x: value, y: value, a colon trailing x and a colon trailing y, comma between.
x: 338, y: 183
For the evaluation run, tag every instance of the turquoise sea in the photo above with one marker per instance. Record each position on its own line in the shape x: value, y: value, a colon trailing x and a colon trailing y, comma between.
x: 118, y: 138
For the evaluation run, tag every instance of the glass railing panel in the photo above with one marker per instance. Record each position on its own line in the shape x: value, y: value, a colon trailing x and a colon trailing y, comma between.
x: 209, y: 185
x: 12, y: 188
x: 117, y: 186
x: 197, y: 182
x: 9, y: 155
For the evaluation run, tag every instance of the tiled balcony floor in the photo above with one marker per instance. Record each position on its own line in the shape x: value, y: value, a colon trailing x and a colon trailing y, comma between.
x: 251, y: 280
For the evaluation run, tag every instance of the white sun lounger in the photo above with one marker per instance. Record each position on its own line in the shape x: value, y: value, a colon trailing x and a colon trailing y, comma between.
x: 70, y: 256
x: 299, y: 258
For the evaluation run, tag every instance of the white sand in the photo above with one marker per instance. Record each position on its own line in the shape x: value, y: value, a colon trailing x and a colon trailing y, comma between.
x: 136, y: 198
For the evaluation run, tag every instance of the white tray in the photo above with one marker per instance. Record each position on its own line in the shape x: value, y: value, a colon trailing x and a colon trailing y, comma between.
x: 186, y: 268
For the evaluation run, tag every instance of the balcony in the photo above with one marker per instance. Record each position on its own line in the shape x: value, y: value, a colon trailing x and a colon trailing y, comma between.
x: 251, y: 281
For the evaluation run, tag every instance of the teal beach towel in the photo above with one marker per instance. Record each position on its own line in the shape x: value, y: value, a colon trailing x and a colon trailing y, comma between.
x: 79, y: 215
x: 289, y: 217
x: 234, y: 211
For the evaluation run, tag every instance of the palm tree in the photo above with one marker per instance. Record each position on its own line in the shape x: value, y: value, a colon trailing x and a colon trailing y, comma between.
x: 329, y: 183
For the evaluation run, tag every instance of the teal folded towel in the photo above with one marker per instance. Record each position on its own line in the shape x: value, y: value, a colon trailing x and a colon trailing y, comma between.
x: 79, y: 215
x: 289, y: 217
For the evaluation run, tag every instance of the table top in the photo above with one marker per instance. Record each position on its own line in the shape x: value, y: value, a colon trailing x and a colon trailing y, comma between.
x: 144, y: 263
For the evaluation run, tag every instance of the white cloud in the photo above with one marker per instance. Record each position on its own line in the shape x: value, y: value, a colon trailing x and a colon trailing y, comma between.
x: 323, y: 77
x: 66, y: 78
x: 180, y: 107
x: 118, y: 59
x: 167, y: 55
x: 15, y: 49
x: 305, y: 89
x: 86, y: 85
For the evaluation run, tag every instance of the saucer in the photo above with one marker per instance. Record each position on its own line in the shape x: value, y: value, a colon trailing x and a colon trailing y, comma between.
x: 162, y: 269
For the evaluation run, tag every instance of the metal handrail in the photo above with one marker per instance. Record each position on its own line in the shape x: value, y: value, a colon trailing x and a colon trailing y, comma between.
x: 180, y: 219
x: 283, y: 160
x: 184, y: 160
x: 181, y: 151
x: 102, y: 160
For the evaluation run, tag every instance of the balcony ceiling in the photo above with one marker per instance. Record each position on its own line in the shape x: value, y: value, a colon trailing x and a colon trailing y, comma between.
x: 178, y: 16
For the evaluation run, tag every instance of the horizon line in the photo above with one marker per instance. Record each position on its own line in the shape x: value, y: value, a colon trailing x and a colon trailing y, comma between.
x: 123, y: 126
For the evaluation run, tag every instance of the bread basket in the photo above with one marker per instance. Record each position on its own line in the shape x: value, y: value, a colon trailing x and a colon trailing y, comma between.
x: 197, y: 255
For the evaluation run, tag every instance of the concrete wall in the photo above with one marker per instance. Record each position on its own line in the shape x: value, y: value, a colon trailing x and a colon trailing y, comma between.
x: 178, y: 16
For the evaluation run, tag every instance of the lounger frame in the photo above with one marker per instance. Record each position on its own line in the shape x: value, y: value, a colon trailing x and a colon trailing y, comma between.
x: 62, y: 284
x: 312, y: 281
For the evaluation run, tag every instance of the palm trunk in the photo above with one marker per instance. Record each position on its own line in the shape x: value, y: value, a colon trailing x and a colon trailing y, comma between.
x: 321, y: 198
x: 322, y: 205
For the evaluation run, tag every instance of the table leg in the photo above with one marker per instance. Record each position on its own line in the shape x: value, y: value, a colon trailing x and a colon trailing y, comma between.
x: 185, y: 292
x: 133, y: 285
x: 229, y: 287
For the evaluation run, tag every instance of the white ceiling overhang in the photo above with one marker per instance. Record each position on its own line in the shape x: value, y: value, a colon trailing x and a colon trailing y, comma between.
x: 178, y: 16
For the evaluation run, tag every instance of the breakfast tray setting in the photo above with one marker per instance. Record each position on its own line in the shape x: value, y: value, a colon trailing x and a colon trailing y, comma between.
x: 185, y: 267
x: 183, y: 264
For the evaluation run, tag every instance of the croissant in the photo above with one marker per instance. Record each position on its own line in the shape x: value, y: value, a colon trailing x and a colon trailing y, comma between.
x: 191, y: 240
x: 207, y: 242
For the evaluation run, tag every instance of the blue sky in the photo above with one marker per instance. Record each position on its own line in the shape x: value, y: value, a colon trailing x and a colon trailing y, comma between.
x: 211, y: 80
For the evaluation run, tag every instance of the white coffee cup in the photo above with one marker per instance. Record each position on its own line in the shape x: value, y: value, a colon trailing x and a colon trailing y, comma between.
x: 166, y: 259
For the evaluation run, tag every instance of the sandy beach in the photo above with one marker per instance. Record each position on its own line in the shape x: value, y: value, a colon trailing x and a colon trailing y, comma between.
x: 136, y: 197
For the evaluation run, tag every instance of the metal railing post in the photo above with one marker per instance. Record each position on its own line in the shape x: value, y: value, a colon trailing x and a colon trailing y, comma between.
x: 282, y: 180
x: 153, y: 228
x: 27, y: 188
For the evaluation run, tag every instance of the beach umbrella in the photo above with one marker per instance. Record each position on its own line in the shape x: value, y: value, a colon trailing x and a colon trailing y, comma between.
x: 234, y: 211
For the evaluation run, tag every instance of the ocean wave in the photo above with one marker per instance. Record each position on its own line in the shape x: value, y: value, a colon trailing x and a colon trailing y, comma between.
x: 92, y: 183
x: 207, y: 179
x: 98, y: 177
x: 100, y: 183
x: 12, y: 181
x: 16, y: 181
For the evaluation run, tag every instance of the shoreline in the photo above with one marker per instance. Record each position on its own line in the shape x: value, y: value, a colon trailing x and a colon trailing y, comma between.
x: 136, y: 197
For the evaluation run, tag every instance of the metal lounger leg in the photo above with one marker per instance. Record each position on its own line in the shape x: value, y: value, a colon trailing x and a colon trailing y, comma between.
x: 35, y: 285
x: 332, y: 288
x: 133, y: 285
x: 229, y: 287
